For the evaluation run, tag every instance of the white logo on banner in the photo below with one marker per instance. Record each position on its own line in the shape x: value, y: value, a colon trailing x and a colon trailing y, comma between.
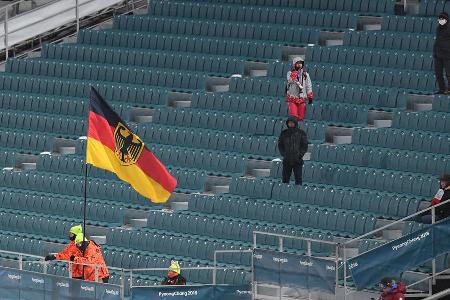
x: 280, y: 260
x: 306, y: 263
x: 352, y: 265
x: 14, y: 277
x: 410, y: 241
x: 239, y: 292
x: 62, y: 284
x: 88, y: 288
x: 112, y: 292
x: 37, y: 280
x: 331, y: 268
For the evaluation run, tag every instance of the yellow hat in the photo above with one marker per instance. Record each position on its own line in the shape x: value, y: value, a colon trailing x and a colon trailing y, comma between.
x: 76, y: 229
x: 79, y: 238
x: 175, y: 267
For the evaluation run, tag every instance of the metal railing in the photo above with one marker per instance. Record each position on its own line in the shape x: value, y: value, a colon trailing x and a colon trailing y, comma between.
x: 431, y: 209
x: 6, y: 35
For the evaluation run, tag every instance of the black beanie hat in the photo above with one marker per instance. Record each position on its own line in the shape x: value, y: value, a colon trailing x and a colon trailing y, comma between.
x: 443, y: 15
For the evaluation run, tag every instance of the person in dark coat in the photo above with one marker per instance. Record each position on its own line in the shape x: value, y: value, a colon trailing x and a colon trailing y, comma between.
x: 292, y: 144
x: 441, y: 53
x: 442, y: 195
x: 392, y: 290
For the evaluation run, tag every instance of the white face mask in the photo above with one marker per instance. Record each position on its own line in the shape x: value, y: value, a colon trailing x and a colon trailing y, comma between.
x: 442, y: 22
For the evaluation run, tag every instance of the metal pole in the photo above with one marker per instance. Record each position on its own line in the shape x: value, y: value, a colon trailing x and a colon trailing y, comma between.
x: 20, y: 262
x: 254, y: 240
x: 337, y: 270
x: 280, y: 244
x: 215, y: 268
x: 253, y: 275
x: 345, y: 272
x: 6, y: 32
x: 308, y: 243
x: 433, y: 262
x: 77, y: 15
x: 70, y: 269
x: 122, y: 283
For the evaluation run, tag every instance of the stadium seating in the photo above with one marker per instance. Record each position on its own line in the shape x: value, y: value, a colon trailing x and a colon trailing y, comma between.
x: 383, y: 175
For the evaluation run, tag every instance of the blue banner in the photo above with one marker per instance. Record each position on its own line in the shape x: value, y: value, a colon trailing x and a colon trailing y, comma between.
x: 297, y: 271
x: 200, y: 292
x: 392, y: 258
x: 24, y: 285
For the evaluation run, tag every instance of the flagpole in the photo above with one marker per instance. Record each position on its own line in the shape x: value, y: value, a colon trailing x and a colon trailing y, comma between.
x: 85, y: 197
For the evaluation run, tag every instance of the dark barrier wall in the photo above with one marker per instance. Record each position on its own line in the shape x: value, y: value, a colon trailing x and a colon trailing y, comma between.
x: 202, y: 292
x: 290, y: 270
x: 400, y: 255
x: 23, y: 285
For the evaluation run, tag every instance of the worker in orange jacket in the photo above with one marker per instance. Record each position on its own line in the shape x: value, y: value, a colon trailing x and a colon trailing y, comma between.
x: 71, y: 249
x: 90, y: 253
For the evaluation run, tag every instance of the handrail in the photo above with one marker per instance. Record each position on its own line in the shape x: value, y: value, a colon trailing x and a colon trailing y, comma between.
x: 431, y: 208
x: 439, y: 295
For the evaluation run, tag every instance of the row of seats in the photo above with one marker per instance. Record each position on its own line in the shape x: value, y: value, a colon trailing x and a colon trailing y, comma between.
x: 193, y: 44
x: 43, y: 122
x: 171, y: 243
x: 7, y: 158
x: 409, y: 24
x: 25, y: 141
x: 370, y: 57
x: 233, y: 229
x: 218, y: 162
x: 382, y: 158
x: 260, y: 146
x: 234, y: 122
x: 325, y: 111
x: 385, y: 204
x: 441, y: 103
x: 423, y: 141
x: 284, y: 213
x: 254, y: 14
x: 74, y: 165
x: 81, y: 88
x: 144, y: 58
x: 69, y: 106
x: 232, y: 30
x: 433, y: 7
x: 328, y: 91
x: 382, y: 77
x: 15, y: 242
x: 71, y: 185
x: 368, y: 178
x: 429, y: 121
x: 59, y: 205
x: 378, y: 6
x: 110, y: 73
x: 32, y: 224
x: 390, y: 40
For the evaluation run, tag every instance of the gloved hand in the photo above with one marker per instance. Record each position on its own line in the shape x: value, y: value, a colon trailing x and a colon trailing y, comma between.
x: 309, y: 101
x: 72, y: 257
x: 50, y: 257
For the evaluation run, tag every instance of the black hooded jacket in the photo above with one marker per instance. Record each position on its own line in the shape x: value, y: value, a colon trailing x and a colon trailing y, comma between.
x: 293, y: 143
x: 441, y: 47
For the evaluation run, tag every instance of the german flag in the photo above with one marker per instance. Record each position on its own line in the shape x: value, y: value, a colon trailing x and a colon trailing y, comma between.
x: 112, y: 146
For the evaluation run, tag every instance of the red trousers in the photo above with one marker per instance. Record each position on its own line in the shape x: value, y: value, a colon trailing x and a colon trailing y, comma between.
x: 297, y: 107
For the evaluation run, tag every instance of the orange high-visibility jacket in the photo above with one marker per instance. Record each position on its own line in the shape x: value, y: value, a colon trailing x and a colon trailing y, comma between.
x: 71, y: 249
x: 93, y: 255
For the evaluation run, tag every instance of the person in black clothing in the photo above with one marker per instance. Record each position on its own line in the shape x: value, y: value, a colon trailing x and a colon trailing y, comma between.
x: 442, y: 195
x: 292, y: 144
x: 441, y: 53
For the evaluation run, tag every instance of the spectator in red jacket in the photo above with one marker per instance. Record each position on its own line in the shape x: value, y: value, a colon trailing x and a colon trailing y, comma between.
x: 443, y: 194
x: 392, y: 290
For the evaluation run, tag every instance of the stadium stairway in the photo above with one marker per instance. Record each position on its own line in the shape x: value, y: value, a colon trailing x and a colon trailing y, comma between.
x: 203, y: 83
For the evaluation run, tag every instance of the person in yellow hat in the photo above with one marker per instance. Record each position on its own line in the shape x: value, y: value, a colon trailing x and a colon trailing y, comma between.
x: 90, y: 253
x: 174, y: 275
x: 71, y: 249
